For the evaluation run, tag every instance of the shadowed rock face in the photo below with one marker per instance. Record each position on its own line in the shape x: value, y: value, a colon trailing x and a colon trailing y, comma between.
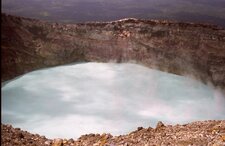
x: 182, y: 48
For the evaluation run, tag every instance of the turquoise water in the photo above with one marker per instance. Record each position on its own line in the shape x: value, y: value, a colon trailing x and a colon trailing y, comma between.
x: 68, y: 101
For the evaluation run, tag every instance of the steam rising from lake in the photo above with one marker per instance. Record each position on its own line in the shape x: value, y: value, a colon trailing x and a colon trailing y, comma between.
x: 68, y: 101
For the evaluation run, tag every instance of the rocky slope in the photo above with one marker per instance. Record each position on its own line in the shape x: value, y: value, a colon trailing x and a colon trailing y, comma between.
x: 196, y: 50
x: 211, y: 133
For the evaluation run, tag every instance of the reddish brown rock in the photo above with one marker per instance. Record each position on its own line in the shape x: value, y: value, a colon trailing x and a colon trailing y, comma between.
x: 159, y: 125
x: 57, y: 142
x: 196, y: 133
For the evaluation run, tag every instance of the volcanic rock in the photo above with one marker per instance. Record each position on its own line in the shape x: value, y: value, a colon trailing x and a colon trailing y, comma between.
x: 57, y: 142
x: 159, y: 125
x: 196, y: 133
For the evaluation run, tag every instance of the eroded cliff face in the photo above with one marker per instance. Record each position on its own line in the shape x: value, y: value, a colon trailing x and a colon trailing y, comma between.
x: 182, y: 48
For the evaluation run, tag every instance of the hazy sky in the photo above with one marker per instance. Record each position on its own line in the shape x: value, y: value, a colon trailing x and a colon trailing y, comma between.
x: 69, y: 101
x: 209, y: 11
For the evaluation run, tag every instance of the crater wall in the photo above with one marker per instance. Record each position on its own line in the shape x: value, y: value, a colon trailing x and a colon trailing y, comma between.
x: 196, y: 50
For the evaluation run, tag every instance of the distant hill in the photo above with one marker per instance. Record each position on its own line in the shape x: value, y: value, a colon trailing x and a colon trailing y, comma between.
x: 70, y: 11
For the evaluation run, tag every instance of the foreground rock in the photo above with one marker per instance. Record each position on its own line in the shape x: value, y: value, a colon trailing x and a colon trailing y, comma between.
x: 211, y: 133
x: 196, y: 50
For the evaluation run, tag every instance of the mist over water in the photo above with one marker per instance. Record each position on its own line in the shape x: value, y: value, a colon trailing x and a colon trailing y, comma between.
x: 68, y: 101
